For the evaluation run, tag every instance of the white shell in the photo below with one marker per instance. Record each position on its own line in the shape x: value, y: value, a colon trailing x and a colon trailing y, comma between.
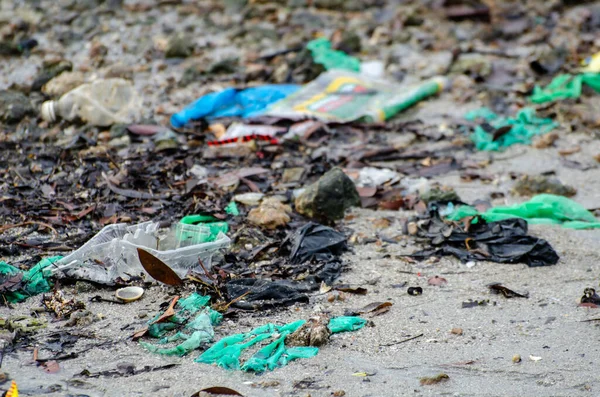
x: 129, y: 294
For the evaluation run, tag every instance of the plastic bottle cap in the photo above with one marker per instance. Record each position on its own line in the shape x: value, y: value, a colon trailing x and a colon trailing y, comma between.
x: 47, y: 111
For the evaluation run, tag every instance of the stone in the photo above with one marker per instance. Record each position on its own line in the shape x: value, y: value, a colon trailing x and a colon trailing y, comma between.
x: 314, y: 332
x: 179, y: 46
x: 328, y: 198
x: 271, y: 214
x: 63, y: 83
x: 14, y: 106
x: 530, y: 185
x: 292, y: 175
x: 49, y: 71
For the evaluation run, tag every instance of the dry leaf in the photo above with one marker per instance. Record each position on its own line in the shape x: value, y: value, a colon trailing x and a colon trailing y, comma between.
x: 434, y: 379
x: 508, y: 293
x: 170, y: 312
x: 158, y: 269
x: 569, y: 151
x: 351, y: 290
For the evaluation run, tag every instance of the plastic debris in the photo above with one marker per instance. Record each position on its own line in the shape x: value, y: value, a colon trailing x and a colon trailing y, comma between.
x: 565, y: 86
x: 505, y: 241
x: 262, y: 294
x: 198, y: 229
x: 520, y: 129
x: 314, y: 242
x: 346, y: 324
x: 193, y: 321
x: 591, y: 64
x: 226, y: 352
x: 13, y: 391
x: 231, y: 102
x: 17, y: 285
x: 238, y: 132
x: 542, y: 209
x: 323, y: 54
x: 112, y: 254
x: 343, y: 96
x: 101, y: 103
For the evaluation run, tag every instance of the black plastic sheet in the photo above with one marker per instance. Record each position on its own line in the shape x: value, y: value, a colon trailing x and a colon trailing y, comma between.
x: 505, y: 241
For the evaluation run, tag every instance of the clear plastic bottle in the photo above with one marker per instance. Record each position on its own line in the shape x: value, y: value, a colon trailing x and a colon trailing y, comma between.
x: 100, y: 103
x: 111, y: 255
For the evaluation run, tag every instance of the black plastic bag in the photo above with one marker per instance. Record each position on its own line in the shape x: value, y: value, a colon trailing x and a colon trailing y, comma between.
x: 503, y: 242
x: 266, y: 294
x: 314, y: 242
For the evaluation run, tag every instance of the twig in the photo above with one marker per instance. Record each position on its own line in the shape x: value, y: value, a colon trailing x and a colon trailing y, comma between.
x: 402, y: 341
x: 4, y: 228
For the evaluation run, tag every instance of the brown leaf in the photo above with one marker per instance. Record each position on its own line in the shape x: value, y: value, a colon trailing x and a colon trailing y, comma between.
x: 351, y: 290
x: 501, y: 132
x: 139, y: 334
x: 508, y: 293
x: 170, y: 312
x: 158, y: 269
x: 232, y: 178
x: 375, y: 308
x: 437, y: 281
x: 218, y: 391
x: 569, y: 151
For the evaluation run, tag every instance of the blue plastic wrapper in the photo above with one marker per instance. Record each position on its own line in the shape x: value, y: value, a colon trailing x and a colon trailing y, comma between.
x: 232, y: 102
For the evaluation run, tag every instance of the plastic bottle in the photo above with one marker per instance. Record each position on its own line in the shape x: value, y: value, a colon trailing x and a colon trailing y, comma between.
x: 100, y: 103
x: 111, y: 255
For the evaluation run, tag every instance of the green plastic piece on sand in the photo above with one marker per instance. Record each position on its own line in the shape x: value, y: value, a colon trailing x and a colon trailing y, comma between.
x: 197, y: 229
x: 35, y: 281
x: 232, y: 209
x: 524, y: 126
x: 323, y: 54
x: 194, y: 317
x: 541, y: 209
x: 226, y: 352
x: 565, y: 86
x: 193, y: 303
x: 346, y: 324
x: 192, y: 342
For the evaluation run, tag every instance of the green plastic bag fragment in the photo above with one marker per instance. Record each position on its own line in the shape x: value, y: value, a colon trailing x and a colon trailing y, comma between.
x: 346, y: 324
x: 193, y: 316
x: 232, y: 209
x: 323, y: 54
x: 226, y: 352
x: 193, y: 303
x: 524, y: 126
x: 190, y: 343
x: 565, y: 86
x: 541, y: 209
x: 35, y: 281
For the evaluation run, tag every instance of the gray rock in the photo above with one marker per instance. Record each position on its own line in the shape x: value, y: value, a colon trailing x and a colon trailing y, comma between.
x: 179, y: 46
x: 14, y: 106
x: 328, y: 198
